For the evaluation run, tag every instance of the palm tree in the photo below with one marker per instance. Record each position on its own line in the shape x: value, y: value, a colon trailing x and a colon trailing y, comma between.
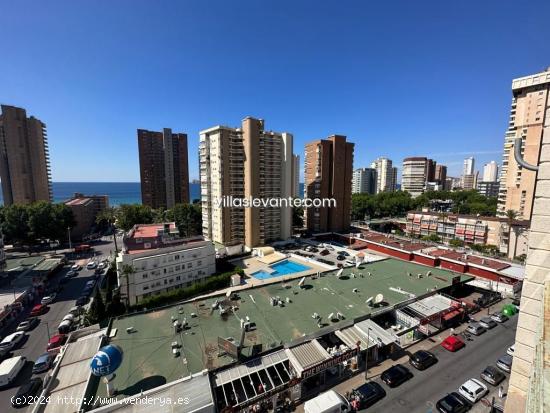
x: 126, y: 271
x: 109, y: 216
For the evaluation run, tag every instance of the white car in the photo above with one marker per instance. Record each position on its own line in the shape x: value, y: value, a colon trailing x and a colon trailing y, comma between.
x: 499, y: 317
x: 9, y: 342
x: 510, y: 350
x: 76, y: 267
x: 473, y: 390
x: 91, y: 265
x: 101, y: 265
x: 47, y: 299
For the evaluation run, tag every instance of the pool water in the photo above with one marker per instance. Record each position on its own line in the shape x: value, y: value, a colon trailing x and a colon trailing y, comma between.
x: 281, y: 268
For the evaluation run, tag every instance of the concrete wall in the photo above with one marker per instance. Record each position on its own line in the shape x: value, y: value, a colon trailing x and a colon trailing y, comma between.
x: 537, y: 273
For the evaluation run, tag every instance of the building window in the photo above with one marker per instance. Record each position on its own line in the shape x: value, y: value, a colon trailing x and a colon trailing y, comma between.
x: 178, y: 278
x: 145, y: 276
x: 190, y: 265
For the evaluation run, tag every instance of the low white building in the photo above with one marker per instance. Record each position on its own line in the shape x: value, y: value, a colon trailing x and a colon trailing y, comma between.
x: 161, y: 261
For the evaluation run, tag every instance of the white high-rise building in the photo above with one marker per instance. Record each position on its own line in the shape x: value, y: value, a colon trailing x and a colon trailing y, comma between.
x: 413, y: 179
x: 490, y: 172
x: 242, y: 163
x: 386, y: 175
x: 364, y: 181
x: 469, y: 165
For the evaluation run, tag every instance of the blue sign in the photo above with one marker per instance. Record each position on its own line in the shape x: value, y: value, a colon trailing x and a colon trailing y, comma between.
x: 106, y: 360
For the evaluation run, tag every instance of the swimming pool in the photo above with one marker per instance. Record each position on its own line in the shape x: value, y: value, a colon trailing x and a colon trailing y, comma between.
x: 280, y: 268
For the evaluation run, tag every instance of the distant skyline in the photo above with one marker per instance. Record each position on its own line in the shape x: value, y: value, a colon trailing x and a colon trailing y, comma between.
x: 415, y: 79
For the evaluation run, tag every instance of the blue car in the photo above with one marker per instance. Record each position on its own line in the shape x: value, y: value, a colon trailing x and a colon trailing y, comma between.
x: 42, y: 363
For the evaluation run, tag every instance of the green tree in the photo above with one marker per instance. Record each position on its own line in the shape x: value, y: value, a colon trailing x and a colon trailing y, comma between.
x: 106, y: 218
x: 188, y: 219
x: 126, y: 271
x: 97, y: 312
x: 456, y: 243
x: 15, y: 224
x: 115, y: 307
x: 129, y: 215
x: 298, y: 217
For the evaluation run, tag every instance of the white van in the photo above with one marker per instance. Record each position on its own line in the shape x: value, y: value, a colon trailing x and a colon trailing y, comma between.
x: 328, y: 402
x: 10, y: 368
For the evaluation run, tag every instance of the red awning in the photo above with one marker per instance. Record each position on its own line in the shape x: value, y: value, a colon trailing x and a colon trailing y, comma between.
x: 450, y: 315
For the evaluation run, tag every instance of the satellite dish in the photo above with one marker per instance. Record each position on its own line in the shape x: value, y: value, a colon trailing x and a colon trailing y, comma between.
x: 378, y: 299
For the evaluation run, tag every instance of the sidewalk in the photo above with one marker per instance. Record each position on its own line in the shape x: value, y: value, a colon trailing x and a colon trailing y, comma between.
x: 426, y: 344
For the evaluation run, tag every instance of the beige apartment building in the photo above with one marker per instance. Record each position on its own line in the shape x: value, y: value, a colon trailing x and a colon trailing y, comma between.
x: 247, y: 162
x: 328, y: 173
x: 529, y: 116
x: 386, y: 175
x: 414, y: 175
x: 24, y: 158
x: 529, y: 389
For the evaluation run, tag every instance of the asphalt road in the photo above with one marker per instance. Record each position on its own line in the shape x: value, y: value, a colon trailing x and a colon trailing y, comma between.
x: 420, y: 393
x: 35, y: 342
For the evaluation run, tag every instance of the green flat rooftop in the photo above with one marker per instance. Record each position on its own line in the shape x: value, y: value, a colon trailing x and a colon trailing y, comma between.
x: 148, y: 357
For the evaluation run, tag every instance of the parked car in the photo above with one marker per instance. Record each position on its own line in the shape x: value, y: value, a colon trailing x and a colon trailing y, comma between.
x: 43, y: 363
x: 56, y: 341
x: 344, y: 253
x: 422, y: 359
x: 396, y: 375
x: 510, y: 350
x: 82, y: 300
x: 476, y: 329
x: 38, y: 309
x: 452, y: 403
x: 76, y: 267
x: 48, y: 299
x: 492, y: 375
x: 71, y: 274
x: 91, y: 265
x: 499, y: 317
x: 27, y: 393
x: 101, y: 266
x: 487, y: 322
x: 10, y: 368
x: 324, y: 252
x: 10, y: 342
x: 453, y: 343
x: 340, y: 258
x: 368, y: 394
x: 505, y: 363
x: 473, y: 390
x: 28, y: 324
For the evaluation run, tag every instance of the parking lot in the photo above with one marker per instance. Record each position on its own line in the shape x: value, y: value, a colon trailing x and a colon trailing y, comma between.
x: 35, y: 341
x: 330, y: 256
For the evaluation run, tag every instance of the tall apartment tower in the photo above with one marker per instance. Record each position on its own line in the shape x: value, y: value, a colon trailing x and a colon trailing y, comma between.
x: 364, y: 181
x: 328, y: 174
x: 296, y: 175
x: 24, y: 158
x: 246, y: 162
x: 490, y: 172
x: 431, y: 166
x: 414, y: 175
x: 469, y: 166
x: 386, y: 175
x: 163, y: 167
x: 529, y: 117
x: 440, y: 174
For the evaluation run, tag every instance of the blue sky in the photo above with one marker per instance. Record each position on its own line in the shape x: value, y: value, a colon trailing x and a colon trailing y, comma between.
x: 398, y: 78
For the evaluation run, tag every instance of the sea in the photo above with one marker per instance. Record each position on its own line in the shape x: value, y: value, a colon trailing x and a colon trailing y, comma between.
x: 118, y: 192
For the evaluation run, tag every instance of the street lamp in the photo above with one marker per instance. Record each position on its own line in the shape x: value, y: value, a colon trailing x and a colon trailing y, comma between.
x: 47, y: 330
x: 69, y: 235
